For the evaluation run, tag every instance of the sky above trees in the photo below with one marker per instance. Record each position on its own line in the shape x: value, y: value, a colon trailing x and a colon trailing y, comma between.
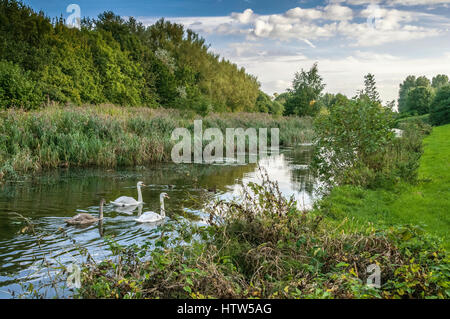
x: 273, y: 39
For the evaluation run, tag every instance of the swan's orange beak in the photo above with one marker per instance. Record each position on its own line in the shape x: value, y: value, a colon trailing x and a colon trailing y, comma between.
x: 167, y: 196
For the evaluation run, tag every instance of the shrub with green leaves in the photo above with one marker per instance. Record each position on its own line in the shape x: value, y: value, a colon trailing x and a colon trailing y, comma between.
x: 351, y: 141
x: 17, y: 89
x: 262, y: 246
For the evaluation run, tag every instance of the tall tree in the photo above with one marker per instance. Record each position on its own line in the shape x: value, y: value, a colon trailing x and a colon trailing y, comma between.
x: 408, y: 84
x: 307, y: 87
x: 419, y: 100
x: 439, y: 81
x: 370, y: 88
x: 440, y: 108
x: 423, y: 81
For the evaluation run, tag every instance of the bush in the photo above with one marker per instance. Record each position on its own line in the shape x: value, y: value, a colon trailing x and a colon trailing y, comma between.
x: 351, y: 141
x: 16, y: 88
x: 440, y: 108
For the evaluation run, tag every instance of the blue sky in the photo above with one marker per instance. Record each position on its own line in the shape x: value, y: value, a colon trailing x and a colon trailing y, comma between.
x: 274, y: 39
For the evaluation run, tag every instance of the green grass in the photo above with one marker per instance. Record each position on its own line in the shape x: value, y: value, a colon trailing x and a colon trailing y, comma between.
x: 427, y: 203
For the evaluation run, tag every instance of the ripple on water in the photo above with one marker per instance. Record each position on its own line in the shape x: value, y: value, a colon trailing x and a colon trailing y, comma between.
x: 50, y: 199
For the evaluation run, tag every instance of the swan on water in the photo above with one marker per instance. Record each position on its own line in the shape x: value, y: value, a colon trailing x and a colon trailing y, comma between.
x: 152, y: 217
x: 84, y: 219
x: 124, y: 201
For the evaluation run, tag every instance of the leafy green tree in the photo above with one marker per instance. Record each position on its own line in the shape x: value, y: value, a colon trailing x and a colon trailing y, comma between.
x: 121, y: 61
x: 350, y: 138
x: 439, y: 80
x: 339, y: 99
x: 423, y: 81
x: 266, y: 105
x: 419, y: 100
x: 17, y: 89
x: 370, y: 88
x: 281, y: 98
x: 307, y: 87
x: 408, y: 84
x: 440, y: 108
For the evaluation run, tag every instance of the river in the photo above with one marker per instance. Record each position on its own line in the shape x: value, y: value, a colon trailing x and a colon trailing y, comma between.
x: 47, y: 199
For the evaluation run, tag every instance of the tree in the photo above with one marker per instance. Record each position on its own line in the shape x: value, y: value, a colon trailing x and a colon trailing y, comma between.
x: 306, y: 90
x: 16, y: 88
x: 440, y: 108
x: 350, y: 137
x: 281, y: 98
x: 117, y: 60
x: 419, y: 100
x: 439, y: 80
x: 423, y: 81
x: 370, y: 88
x: 408, y: 84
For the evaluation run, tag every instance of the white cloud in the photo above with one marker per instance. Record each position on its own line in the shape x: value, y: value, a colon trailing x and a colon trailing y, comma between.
x: 344, y: 75
x: 246, y: 17
x: 338, y: 12
x: 392, y: 2
x: 271, y: 46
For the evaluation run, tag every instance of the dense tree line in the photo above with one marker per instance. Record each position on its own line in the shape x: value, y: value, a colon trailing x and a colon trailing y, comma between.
x: 112, y: 60
x: 416, y: 94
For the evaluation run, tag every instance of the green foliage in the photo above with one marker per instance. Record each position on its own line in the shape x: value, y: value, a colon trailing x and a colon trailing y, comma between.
x: 440, y: 108
x: 266, y: 105
x: 264, y: 247
x: 113, y: 60
x: 408, y: 84
x: 439, y: 80
x: 17, y: 89
x: 306, y: 90
x: 351, y: 141
x: 370, y: 88
x: 419, y: 100
x: 425, y: 202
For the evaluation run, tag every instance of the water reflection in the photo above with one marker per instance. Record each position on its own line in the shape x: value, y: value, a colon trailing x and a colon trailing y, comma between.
x: 50, y: 198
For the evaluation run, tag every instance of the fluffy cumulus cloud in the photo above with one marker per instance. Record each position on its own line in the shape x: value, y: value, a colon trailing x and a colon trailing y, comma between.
x: 371, y: 25
x: 393, y: 2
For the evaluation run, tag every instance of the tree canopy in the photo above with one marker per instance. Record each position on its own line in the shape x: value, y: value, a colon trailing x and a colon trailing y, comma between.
x: 440, y: 108
x: 113, y: 60
x: 306, y: 91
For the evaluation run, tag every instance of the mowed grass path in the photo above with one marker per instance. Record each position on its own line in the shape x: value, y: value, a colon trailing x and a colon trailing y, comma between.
x: 426, y: 204
x: 429, y: 201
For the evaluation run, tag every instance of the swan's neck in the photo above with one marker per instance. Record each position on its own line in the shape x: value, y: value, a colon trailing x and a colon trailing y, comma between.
x: 163, y: 211
x: 139, y: 194
x: 101, y: 212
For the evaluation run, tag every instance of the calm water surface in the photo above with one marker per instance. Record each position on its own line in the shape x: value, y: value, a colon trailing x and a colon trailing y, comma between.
x: 50, y: 198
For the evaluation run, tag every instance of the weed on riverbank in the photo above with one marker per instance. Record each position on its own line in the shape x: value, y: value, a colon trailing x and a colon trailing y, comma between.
x: 264, y: 247
x: 109, y: 136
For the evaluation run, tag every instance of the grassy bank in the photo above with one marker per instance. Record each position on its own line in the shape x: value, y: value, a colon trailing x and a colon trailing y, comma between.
x: 110, y: 136
x: 426, y: 203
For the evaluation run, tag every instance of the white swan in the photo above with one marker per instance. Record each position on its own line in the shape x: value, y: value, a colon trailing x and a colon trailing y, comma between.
x: 124, y: 201
x: 152, y: 217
